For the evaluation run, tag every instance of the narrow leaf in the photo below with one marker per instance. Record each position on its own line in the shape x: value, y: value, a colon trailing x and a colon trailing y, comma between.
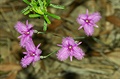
x: 57, y: 6
x: 45, y: 26
x: 27, y: 2
x: 25, y: 9
x: 46, y: 19
x: 28, y: 11
x: 40, y: 3
x: 54, y: 16
x: 34, y: 15
x: 48, y: 2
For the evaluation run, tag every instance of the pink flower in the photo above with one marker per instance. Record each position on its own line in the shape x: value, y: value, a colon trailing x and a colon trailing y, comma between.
x: 88, y: 21
x: 26, y: 32
x: 69, y: 48
x: 32, y: 55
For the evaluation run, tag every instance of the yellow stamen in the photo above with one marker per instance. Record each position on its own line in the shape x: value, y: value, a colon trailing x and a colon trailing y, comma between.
x: 87, y: 20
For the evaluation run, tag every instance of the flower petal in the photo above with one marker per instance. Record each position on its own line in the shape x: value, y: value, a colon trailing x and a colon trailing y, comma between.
x: 38, y: 46
x: 38, y: 51
x: 22, y: 41
x: 27, y: 23
x: 62, y: 54
x: 80, y: 20
x: 20, y: 36
x: 78, y: 53
x: 24, y: 52
x: 30, y: 26
x: 82, y: 16
x: 88, y: 29
x: 30, y: 47
x: 95, y: 17
x: 71, y: 58
x: 26, y: 61
x: 87, y: 12
x: 80, y: 27
x: 78, y: 43
x: 96, y: 25
x: 20, y: 27
x: 68, y: 41
x: 36, y: 58
x: 31, y: 32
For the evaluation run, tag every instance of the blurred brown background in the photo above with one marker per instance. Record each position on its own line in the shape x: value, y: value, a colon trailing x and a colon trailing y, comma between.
x: 102, y: 60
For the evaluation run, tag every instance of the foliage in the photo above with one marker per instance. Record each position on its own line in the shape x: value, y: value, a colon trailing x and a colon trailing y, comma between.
x: 38, y: 8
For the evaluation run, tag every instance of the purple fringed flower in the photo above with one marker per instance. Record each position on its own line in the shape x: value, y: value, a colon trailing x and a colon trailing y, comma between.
x: 26, y: 32
x: 32, y: 55
x: 88, y: 21
x: 69, y: 48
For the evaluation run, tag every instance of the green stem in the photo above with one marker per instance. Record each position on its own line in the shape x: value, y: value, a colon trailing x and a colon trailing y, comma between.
x: 98, y: 41
x: 79, y: 38
x: 35, y: 31
x: 42, y: 57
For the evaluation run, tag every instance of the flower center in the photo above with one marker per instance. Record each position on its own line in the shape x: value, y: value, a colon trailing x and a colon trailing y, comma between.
x: 87, y: 21
x: 26, y: 33
x: 32, y: 54
x: 70, y: 47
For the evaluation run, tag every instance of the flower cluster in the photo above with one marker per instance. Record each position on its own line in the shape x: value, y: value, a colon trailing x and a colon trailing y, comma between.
x: 69, y: 47
x: 33, y: 53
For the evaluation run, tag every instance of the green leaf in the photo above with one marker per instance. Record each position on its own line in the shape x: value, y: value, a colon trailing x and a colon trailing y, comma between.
x: 48, y: 2
x: 27, y: 2
x: 46, y: 19
x: 54, y: 16
x: 41, y: 5
x: 37, y: 10
x: 45, y: 26
x: 57, y: 6
x: 28, y: 11
x: 25, y: 9
x: 34, y: 15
